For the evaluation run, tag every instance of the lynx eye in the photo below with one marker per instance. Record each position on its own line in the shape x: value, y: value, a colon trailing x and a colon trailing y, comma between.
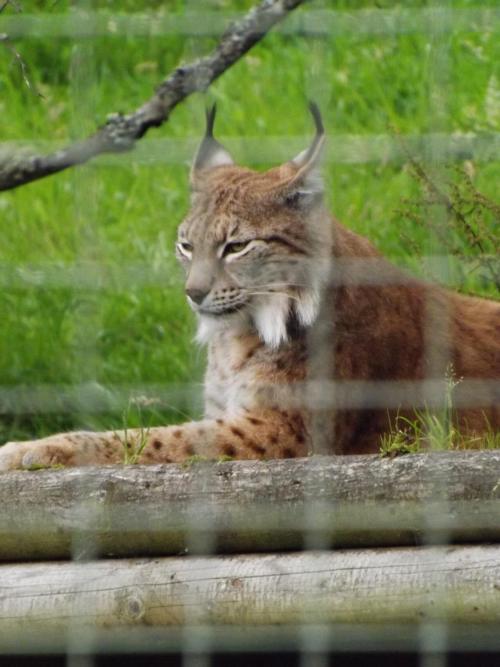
x: 234, y: 247
x: 185, y: 248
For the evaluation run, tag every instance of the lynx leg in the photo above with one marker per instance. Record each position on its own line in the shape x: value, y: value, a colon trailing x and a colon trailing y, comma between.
x: 263, y: 435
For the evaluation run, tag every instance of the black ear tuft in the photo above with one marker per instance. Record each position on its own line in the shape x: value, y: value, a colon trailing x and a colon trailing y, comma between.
x: 210, y: 152
x: 210, y: 120
x: 316, y: 114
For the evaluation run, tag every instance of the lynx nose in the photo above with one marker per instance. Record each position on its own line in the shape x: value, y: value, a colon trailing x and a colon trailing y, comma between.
x: 196, y: 295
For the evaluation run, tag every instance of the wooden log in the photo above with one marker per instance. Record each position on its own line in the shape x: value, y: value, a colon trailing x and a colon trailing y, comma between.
x: 458, y: 584
x: 250, y: 506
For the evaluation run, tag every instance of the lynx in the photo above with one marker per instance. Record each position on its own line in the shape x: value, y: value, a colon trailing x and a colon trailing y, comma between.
x: 315, y: 341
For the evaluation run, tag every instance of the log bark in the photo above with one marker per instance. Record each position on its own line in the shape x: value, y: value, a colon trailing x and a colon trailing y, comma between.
x: 410, y: 585
x: 121, y: 131
x: 317, y: 502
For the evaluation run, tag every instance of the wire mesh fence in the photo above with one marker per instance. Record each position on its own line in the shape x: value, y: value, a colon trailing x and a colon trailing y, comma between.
x: 307, y: 562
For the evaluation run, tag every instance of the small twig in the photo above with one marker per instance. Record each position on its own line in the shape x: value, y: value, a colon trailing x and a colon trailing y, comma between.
x: 4, y: 38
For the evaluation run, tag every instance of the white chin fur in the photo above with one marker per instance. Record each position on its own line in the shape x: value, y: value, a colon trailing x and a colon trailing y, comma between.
x: 307, y: 307
x: 209, y: 326
x: 272, y: 315
x: 270, y: 319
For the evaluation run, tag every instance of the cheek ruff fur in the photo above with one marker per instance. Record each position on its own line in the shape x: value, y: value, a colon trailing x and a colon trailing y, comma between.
x: 269, y: 316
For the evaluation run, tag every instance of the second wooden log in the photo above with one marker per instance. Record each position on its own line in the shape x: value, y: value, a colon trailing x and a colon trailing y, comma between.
x: 401, y: 585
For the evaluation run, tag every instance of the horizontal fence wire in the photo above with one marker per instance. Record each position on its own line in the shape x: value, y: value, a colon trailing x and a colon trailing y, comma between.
x: 344, y: 638
x: 78, y: 23
x: 93, y: 397
x: 451, y: 271
x: 339, y: 149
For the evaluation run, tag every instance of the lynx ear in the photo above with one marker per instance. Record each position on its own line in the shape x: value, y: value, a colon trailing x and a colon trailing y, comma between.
x: 210, y: 152
x: 306, y: 185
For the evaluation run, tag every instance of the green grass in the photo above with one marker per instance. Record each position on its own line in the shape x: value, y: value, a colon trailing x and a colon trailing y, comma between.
x: 431, y: 431
x: 125, y: 214
x: 434, y: 430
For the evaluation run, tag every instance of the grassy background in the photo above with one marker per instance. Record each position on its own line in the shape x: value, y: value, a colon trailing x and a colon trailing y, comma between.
x: 113, y: 326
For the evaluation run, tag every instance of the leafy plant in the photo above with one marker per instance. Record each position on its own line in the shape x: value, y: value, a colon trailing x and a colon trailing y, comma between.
x: 458, y: 218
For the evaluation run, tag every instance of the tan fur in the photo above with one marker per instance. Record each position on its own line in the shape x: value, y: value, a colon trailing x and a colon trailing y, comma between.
x: 279, y: 388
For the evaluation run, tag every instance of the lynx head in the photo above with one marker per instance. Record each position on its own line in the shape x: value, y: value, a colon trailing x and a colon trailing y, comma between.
x: 255, y: 246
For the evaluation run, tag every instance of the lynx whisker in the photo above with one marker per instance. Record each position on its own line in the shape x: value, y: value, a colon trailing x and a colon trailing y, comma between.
x: 273, y: 293
x: 281, y: 285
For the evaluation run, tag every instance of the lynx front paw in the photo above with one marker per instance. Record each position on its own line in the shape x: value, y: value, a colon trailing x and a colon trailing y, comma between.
x: 35, y: 455
x: 11, y: 456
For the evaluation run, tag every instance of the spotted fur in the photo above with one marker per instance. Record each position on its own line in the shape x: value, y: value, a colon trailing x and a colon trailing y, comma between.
x: 300, y: 317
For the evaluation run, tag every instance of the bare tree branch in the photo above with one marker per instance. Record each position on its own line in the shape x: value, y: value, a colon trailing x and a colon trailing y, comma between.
x: 121, y: 131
